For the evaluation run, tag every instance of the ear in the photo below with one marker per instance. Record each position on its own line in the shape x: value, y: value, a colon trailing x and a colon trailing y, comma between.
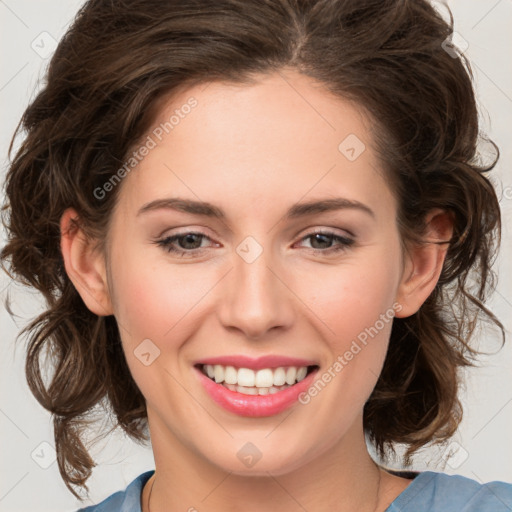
x: 84, y: 265
x: 424, y: 262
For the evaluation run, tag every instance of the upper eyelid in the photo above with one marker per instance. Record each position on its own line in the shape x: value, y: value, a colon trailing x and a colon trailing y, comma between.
x: 188, y: 228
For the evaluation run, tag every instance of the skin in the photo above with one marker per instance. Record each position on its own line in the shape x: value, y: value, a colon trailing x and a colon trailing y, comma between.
x: 254, y: 151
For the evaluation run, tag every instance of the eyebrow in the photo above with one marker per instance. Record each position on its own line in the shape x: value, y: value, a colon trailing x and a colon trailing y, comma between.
x: 295, y: 211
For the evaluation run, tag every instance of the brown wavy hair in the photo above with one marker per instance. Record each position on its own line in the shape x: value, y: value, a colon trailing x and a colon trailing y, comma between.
x: 120, y: 57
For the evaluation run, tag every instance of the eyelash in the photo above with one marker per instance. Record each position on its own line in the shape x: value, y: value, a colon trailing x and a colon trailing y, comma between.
x: 166, y: 243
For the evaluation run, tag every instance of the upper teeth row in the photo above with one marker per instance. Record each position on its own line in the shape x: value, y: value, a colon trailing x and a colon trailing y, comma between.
x: 264, y: 378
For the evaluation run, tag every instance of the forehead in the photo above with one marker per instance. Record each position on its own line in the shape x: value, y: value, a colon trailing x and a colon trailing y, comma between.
x: 275, y: 141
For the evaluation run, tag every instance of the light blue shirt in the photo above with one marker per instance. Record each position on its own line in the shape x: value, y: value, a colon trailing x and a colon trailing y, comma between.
x: 428, y: 492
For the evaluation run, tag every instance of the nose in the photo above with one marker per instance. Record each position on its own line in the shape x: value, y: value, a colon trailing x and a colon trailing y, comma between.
x: 256, y: 298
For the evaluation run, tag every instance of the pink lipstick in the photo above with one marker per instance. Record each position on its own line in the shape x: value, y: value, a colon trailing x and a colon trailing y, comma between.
x: 255, y: 400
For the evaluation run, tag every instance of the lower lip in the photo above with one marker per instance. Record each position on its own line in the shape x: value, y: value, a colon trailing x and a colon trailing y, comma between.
x: 255, y: 405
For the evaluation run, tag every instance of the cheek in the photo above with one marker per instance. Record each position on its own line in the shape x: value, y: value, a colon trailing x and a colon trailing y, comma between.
x: 354, y: 302
x: 155, y: 299
x: 352, y: 297
x: 154, y: 302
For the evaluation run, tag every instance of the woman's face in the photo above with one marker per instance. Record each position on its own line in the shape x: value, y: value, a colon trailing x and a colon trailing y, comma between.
x: 256, y: 282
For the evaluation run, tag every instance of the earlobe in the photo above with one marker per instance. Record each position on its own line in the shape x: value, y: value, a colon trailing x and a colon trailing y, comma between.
x: 84, y: 266
x: 424, y: 263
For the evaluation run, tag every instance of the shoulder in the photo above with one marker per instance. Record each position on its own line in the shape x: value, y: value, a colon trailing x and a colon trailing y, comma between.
x: 438, y: 492
x: 123, y: 501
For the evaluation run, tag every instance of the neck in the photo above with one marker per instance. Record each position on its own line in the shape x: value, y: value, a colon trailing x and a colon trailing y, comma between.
x: 343, y: 478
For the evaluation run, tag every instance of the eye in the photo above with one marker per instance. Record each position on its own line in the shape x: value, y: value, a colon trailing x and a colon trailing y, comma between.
x: 322, y: 241
x: 188, y: 243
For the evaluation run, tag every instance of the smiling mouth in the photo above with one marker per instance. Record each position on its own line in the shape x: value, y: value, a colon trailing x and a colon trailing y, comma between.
x: 256, y: 382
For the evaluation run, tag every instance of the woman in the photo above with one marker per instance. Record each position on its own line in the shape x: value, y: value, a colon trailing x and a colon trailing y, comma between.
x: 253, y: 224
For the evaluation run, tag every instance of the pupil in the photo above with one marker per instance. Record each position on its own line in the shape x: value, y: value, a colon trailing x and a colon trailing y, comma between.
x: 318, y: 237
x: 190, y: 238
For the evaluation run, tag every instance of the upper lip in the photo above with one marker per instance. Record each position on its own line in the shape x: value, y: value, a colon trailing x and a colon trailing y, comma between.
x: 258, y: 363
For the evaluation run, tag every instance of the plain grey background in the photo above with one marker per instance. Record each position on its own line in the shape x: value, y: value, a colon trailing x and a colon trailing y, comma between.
x: 29, y: 477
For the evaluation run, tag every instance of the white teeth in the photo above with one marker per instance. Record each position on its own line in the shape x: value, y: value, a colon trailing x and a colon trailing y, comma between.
x: 218, y: 373
x: 230, y: 375
x: 246, y: 377
x: 264, y: 378
x: 246, y: 390
x: 279, y: 376
x: 301, y: 373
x: 291, y: 374
x: 255, y: 391
x: 267, y: 378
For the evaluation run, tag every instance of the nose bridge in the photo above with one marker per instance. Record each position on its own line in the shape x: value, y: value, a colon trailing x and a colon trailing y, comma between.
x: 256, y: 300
